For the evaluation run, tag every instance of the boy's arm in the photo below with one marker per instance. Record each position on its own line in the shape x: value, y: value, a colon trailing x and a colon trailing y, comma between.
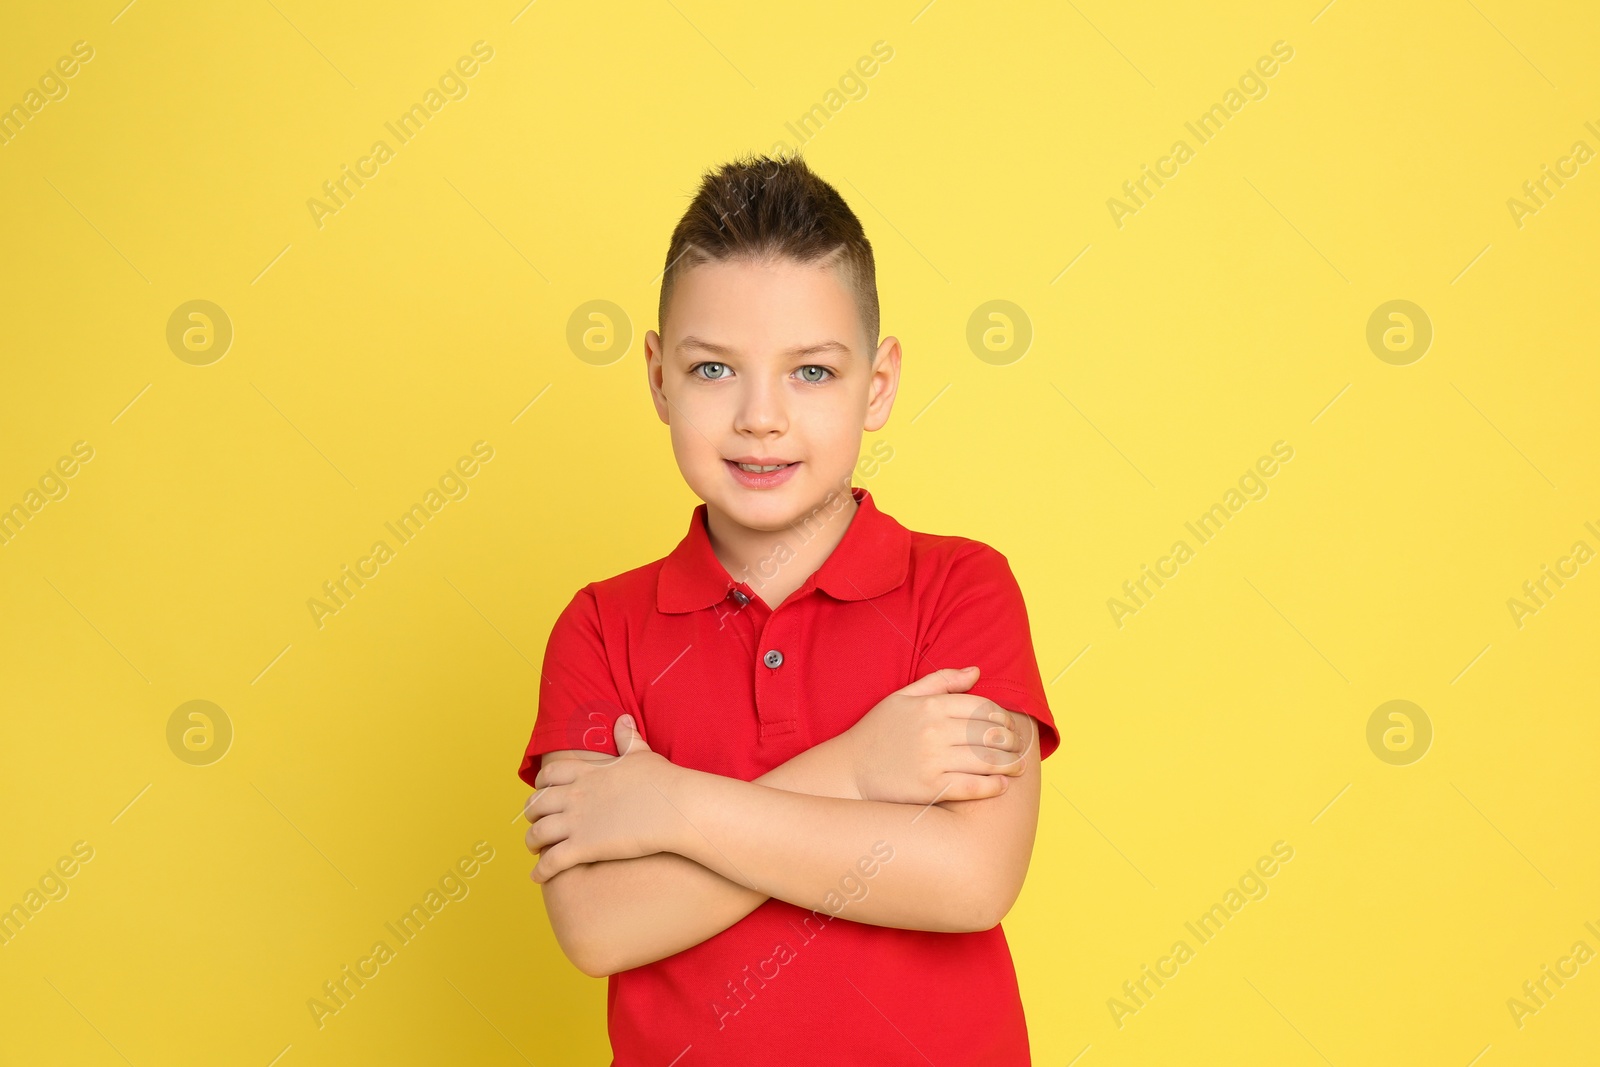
x: 982, y: 620
x: 924, y: 742
x: 623, y: 913
x: 613, y: 915
x: 955, y: 868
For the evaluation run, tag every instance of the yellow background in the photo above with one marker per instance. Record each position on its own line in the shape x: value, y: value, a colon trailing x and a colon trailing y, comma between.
x: 1229, y: 313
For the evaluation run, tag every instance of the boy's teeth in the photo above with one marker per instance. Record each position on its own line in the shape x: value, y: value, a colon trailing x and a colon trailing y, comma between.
x: 754, y: 469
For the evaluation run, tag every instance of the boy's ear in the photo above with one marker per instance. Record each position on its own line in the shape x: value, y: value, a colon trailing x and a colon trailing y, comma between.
x: 884, y: 383
x: 653, y: 348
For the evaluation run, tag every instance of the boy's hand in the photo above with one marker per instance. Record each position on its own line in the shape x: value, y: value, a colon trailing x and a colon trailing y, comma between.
x: 587, y: 811
x: 932, y: 741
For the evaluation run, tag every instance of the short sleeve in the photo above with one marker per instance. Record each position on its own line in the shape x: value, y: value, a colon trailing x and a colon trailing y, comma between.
x: 979, y: 617
x: 578, y: 698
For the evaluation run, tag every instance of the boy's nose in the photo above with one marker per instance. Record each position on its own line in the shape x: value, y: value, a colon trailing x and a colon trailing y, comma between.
x: 760, y: 410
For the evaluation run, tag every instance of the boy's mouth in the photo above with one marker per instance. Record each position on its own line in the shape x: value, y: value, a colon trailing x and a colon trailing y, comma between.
x: 761, y: 464
x: 760, y: 472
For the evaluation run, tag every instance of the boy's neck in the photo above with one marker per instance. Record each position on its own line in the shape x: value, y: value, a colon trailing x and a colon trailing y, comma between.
x: 775, y: 563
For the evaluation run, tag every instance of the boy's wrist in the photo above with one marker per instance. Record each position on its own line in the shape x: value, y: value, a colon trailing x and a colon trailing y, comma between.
x: 850, y: 754
x: 826, y: 769
x: 674, y: 796
x: 830, y: 768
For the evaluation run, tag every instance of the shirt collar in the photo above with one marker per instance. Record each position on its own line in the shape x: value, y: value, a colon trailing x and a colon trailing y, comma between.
x: 873, y: 557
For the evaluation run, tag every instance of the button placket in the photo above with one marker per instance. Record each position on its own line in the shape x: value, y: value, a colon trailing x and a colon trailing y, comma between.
x: 775, y: 689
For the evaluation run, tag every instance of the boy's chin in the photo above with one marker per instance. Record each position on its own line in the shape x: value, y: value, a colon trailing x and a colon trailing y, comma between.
x: 770, y: 510
x: 768, y: 513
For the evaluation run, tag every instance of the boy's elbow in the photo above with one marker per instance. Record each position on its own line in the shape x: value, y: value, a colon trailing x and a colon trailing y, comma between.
x: 999, y: 902
x: 971, y: 919
x: 581, y: 940
x: 584, y: 952
x: 591, y: 963
x: 981, y: 904
x: 989, y: 909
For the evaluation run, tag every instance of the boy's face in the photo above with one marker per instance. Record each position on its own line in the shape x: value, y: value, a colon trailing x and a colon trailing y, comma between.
x: 768, y: 362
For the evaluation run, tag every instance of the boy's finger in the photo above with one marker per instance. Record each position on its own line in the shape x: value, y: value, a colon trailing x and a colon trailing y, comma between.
x: 1000, y: 739
x: 556, y: 772
x: 543, y: 803
x: 544, y: 832
x: 974, y: 786
x: 995, y: 714
x: 962, y: 705
x: 996, y: 744
x: 538, y: 805
x: 552, y: 861
x: 984, y: 736
x: 1016, y: 722
x: 989, y: 760
x: 945, y: 680
x: 628, y: 737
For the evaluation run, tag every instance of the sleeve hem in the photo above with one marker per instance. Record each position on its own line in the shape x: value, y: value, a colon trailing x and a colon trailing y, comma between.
x: 1049, y: 734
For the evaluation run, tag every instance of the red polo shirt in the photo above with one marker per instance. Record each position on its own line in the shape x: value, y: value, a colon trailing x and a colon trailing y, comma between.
x: 719, y: 681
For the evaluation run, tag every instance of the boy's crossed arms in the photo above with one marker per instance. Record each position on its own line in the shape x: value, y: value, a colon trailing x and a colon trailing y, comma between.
x: 640, y: 859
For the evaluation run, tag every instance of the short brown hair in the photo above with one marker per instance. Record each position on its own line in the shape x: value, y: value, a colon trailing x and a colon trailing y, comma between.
x: 759, y: 208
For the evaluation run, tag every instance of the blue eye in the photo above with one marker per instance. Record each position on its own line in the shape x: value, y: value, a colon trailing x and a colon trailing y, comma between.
x: 814, y: 367
x: 710, y: 377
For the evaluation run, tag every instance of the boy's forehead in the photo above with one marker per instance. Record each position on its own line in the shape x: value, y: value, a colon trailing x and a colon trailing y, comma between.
x: 726, y: 307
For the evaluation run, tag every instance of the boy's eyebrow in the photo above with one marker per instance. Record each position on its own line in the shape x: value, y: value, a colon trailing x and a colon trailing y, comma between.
x: 696, y: 343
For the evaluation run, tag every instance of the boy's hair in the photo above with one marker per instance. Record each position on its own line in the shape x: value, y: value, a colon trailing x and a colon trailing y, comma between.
x: 760, y: 208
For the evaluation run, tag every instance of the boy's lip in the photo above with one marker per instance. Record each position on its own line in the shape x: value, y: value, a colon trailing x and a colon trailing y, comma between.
x: 757, y: 479
x: 758, y: 461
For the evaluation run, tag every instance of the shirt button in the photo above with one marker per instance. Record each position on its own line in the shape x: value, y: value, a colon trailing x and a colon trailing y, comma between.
x: 738, y: 594
x: 773, y: 658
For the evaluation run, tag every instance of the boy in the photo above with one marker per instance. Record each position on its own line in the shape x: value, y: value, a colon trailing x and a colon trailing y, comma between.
x: 787, y: 776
